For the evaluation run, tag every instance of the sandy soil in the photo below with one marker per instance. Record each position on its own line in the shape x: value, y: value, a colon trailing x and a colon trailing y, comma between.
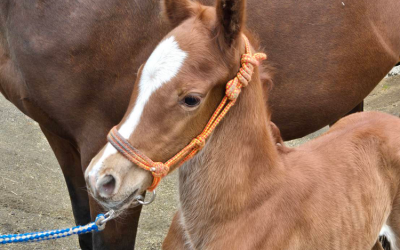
x: 33, y: 195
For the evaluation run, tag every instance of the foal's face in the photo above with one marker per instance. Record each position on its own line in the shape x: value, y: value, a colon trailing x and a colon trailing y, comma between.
x: 176, y: 92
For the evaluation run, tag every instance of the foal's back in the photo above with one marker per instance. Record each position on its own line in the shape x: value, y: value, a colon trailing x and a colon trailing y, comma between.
x: 344, y: 181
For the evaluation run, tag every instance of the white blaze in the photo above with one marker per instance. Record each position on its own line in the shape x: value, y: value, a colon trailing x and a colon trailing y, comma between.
x: 163, y: 64
x: 108, y: 151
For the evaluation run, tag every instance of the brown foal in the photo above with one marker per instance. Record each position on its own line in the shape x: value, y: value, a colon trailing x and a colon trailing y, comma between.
x: 241, y: 191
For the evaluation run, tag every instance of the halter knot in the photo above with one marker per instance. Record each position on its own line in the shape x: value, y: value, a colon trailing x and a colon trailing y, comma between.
x: 199, y: 142
x: 159, y: 169
x: 233, y: 89
x: 243, y: 77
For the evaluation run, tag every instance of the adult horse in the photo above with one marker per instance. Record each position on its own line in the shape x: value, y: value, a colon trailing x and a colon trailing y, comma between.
x: 71, y: 67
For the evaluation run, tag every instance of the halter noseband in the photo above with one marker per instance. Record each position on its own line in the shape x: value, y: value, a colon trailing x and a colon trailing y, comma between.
x: 233, y: 88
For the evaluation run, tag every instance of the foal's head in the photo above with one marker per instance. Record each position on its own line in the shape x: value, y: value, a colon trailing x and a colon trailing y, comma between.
x: 176, y: 92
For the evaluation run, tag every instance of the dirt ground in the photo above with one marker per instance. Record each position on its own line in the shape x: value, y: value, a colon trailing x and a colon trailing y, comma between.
x: 33, y: 196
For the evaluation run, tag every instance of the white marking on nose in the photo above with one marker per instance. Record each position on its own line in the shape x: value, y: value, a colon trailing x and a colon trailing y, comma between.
x: 163, y: 64
x: 108, y: 151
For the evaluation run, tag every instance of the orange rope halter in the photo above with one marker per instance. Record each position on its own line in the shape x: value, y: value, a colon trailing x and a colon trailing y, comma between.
x: 233, y: 88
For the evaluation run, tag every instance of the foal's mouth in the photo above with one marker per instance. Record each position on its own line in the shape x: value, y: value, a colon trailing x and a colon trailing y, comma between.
x: 129, y: 201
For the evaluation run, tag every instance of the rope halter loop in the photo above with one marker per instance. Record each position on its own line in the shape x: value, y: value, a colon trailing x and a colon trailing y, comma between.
x: 243, y: 77
x: 199, y: 142
x: 233, y: 87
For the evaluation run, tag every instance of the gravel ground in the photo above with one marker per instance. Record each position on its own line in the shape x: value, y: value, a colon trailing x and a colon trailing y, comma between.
x: 394, y: 72
x: 34, y: 197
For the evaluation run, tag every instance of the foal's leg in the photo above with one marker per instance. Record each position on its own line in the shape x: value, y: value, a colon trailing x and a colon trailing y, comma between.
x: 70, y: 162
x: 175, y: 239
x: 120, y: 233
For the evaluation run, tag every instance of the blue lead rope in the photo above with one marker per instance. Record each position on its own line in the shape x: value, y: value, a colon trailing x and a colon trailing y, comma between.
x: 96, y: 226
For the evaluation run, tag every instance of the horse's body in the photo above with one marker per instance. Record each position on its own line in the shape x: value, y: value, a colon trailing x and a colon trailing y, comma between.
x: 71, y: 66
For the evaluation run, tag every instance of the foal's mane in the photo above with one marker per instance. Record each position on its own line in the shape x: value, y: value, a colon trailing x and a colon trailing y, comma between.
x: 266, y: 69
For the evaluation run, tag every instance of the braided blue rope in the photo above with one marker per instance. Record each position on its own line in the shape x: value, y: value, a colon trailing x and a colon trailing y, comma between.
x: 97, y: 225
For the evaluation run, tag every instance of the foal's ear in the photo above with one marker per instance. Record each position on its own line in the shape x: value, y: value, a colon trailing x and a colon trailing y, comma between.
x: 178, y: 10
x: 231, y: 17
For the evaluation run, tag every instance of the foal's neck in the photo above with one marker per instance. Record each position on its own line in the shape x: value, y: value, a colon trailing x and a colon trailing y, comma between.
x: 234, y: 166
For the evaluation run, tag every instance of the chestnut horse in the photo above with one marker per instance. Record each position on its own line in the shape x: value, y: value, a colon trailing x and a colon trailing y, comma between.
x: 71, y: 65
x: 239, y: 191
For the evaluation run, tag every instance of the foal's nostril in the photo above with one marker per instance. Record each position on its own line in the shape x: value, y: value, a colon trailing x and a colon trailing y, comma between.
x: 106, y: 185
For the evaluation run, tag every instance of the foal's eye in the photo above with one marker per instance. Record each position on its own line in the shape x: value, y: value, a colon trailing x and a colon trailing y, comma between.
x: 191, y: 101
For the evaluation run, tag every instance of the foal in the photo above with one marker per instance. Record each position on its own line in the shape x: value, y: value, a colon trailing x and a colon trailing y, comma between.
x: 239, y: 192
x: 237, y: 189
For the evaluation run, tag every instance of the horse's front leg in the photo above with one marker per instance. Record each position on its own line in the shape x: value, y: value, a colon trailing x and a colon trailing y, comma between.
x: 118, y: 234
x: 175, y: 239
x: 70, y: 162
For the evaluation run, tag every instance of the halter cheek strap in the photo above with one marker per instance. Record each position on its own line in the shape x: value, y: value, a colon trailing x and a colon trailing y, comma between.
x: 233, y: 88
